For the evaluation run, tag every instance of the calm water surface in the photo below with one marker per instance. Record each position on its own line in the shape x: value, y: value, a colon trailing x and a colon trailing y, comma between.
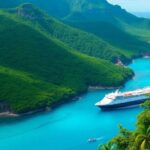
x: 69, y: 126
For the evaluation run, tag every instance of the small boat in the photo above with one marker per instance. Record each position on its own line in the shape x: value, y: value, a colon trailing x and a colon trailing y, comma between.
x: 91, y: 140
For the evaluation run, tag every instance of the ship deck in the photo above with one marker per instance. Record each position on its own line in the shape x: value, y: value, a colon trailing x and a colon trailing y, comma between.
x: 128, y: 99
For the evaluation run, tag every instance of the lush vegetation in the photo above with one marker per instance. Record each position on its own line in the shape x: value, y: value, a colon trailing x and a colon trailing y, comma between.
x: 136, y: 140
x: 40, y: 68
x: 82, y: 41
x: 112, y: 34
x: 38, y: 71
x: 114, y: 25
x: 115, y: 32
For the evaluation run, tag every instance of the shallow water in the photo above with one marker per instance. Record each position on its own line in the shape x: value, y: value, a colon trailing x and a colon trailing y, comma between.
x: 69, y: 126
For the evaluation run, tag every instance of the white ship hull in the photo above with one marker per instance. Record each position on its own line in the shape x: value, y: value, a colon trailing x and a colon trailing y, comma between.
x: 124, y: 99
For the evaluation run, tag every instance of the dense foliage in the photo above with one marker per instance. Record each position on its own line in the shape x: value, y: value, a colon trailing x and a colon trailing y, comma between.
x: 38, y: 71
x: 136, y: 140
x: 82, y: 41
x: 110, y: 33
x: 119, y: 34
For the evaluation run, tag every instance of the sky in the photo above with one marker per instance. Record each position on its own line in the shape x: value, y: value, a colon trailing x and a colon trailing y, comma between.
x: 133, y: 5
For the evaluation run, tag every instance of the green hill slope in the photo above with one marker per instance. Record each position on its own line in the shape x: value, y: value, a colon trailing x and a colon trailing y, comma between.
x: 91, y: 10
x: 95, y: 13
x: 123, y: 31
x: 82, y: 41
x: 37, y: 71
x: 115, y: 36
x: 111, y: 23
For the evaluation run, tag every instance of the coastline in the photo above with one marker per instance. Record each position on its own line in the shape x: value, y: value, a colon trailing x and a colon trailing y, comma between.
x: 51, y: 120
x: 77, y: 97
x: 14, y: 115
x: 56, y: 105
x: 8, y: 114
x: 94, y: 88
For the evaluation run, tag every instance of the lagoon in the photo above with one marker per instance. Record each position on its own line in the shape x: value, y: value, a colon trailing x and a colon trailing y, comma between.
x: 70, y: 125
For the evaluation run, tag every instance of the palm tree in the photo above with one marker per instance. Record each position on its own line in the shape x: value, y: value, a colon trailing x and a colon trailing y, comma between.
x: 108, y: 147
x: 143, y: 140
x: 104, y: 147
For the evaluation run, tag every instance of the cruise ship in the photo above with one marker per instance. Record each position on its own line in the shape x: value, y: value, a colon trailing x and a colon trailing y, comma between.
x: 118, y: 99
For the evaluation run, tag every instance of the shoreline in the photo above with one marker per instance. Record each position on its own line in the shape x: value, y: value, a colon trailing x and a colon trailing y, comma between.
x: 54, y: 106
x: 8, y: 114
x: 95, y: 88
x: 14, y: 115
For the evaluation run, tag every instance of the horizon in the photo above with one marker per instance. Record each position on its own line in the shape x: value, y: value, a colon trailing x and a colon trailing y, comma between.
x: 133, y: 6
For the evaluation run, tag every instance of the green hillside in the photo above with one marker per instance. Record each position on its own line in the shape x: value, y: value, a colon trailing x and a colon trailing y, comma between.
x: 115, y: 36
x: 98, y: 11
x: 116, y: 29
x: 141, y: 29
x: 91, y: 15
x: 82, y: 41
x: 113, y: 24
x: 37, y: 71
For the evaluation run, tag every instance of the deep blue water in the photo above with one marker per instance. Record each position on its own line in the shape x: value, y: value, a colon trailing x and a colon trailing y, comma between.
x: 69, y: 126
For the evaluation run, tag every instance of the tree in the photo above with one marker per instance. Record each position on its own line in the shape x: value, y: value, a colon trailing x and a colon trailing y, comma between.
x: 104, y: 147
x: 142, y: 141
x: 108, y: 147
x: 135, y: 140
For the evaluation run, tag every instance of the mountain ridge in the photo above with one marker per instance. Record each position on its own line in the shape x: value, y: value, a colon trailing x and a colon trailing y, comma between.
x: 116, y: 18
x: 32, y: 78
x: 128, y: 45
x: 75, y: 38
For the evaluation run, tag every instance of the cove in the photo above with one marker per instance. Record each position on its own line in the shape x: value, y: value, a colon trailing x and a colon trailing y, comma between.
x: 69, y: 126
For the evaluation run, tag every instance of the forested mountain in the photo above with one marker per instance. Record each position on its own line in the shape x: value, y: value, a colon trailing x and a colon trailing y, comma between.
x: 82, y: 41
x: 112, y: 24
x: 38, y: 70
x: 94, y: 13
x: 55, y: 50
x: 29, y: 59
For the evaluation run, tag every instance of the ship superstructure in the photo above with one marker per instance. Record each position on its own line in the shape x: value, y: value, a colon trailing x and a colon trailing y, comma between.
x: 118, y: 99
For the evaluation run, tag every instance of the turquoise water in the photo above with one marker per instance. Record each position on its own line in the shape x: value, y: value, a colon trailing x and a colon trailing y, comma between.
x: 69, y: 126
